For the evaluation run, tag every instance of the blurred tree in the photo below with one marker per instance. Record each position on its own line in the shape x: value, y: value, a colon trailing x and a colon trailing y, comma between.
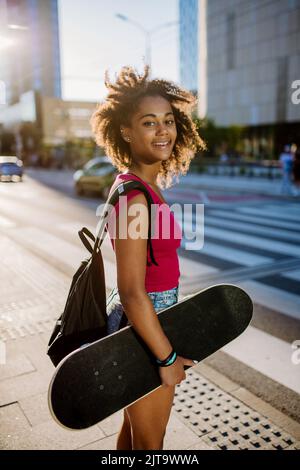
x: 31, y: 142
x: 211, y: 134
x: 7, y: 143
x: 220, y: 139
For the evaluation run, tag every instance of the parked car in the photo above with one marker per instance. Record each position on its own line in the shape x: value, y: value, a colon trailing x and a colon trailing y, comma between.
x: 11, y: 169
x: 96, y: 176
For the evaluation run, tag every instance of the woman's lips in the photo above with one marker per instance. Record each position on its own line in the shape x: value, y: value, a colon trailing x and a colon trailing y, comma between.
x: 162, y: 145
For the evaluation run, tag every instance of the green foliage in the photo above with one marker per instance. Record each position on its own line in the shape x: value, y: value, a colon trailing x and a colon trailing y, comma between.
x: 7, y: 143
x: 219, y: 139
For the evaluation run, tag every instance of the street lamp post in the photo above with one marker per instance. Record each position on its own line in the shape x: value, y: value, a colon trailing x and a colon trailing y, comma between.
x: 148, y: 35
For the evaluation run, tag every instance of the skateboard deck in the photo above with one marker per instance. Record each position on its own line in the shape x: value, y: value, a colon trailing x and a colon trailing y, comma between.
x: 108, y: 375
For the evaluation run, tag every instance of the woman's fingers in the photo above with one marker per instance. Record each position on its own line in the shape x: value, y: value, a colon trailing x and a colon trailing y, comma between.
x: 188, y: 362
x: 176, y: 374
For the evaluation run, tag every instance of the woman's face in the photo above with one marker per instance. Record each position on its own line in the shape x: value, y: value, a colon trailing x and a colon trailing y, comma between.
x: 153, y: 131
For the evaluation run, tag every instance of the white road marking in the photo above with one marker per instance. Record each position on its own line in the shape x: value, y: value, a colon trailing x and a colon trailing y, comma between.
x: 268, y: 355
x: 255, y: 219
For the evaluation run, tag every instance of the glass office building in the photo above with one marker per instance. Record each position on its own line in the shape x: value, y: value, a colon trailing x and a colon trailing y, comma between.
x: 33, y: 60
x: 253, y: 62
x: 188, y: 17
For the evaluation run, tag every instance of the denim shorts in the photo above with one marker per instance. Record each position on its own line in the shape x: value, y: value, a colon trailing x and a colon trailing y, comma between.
x: 116, y: 316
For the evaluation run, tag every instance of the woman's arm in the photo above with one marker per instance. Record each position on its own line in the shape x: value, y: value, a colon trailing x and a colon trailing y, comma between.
x: 131, y: 256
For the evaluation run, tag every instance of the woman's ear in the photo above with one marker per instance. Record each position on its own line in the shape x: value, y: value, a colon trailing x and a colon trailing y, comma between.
x: 124, y: 134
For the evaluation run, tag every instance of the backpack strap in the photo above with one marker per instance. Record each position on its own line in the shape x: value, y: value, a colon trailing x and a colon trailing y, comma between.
x: 121, y: 190
x: 83, y: 233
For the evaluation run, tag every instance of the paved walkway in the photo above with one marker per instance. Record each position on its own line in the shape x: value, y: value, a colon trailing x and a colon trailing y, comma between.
x: 210, y: 411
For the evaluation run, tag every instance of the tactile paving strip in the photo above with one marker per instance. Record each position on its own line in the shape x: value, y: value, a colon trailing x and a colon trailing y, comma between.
x: 32, y: 293
x: 223, y: 422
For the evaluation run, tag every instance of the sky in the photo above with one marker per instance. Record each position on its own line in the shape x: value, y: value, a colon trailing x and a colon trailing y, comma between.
x: 92, y: 40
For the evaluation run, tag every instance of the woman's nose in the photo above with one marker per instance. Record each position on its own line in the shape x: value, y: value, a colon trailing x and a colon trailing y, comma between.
x: 161, y: 128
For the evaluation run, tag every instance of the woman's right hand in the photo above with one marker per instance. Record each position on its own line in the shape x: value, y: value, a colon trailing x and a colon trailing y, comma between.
x: 174, y: 374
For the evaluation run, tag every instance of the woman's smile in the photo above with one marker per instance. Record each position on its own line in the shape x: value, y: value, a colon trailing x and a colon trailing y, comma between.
x: 162, y: 150
x: 162, y: 144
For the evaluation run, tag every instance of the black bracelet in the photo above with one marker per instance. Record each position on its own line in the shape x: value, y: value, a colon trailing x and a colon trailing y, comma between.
x: 168, y: 361
x: 167, y: 358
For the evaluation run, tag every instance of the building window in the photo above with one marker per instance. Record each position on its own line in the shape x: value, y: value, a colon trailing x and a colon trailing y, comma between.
x: 231, y: 41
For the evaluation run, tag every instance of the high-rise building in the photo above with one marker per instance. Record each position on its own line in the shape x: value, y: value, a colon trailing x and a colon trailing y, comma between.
x: 188, y: 17
x: 253, y: 65
x: 33, y: 60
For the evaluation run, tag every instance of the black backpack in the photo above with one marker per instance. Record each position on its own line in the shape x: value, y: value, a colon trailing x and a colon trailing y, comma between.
x: 84, y: 319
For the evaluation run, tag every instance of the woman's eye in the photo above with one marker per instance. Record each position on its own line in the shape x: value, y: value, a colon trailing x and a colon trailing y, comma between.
x: 150, y: 123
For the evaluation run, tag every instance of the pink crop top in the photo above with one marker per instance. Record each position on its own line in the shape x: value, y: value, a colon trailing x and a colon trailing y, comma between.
x: 166, y: 275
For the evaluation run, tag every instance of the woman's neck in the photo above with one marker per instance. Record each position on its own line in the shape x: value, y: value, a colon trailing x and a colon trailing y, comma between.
x: 149, y: 178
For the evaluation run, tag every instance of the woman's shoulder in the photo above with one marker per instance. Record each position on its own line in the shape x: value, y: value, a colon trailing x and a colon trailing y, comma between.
x: 123, y: 177
x: 127, y: 177
x: 130, y: 194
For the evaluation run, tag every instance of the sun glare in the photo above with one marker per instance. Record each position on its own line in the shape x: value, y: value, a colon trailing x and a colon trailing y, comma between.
x: 5, y: 43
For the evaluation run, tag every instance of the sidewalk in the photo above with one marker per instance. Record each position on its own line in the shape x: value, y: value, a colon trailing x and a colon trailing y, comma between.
x: 210, y: 411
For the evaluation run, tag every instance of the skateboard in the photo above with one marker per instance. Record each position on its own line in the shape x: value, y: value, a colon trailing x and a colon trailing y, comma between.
x: 101, y: 378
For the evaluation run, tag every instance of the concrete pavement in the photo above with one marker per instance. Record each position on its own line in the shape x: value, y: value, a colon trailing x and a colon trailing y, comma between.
x: 210, y: 411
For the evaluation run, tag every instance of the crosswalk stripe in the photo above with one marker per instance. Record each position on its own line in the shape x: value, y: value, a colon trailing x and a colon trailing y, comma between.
x: 251, y: 240
x: 293, y: 209
x: 268, y: 355
x: 256, y: 220
x: 273, y: 298
x: 250, y: 228
x: 190, y: 268
x: 295, y: 275
x: 270, y: 213
x: 233, y: 254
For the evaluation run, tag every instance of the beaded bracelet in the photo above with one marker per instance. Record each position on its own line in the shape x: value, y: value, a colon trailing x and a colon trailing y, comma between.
x: 168, y: 361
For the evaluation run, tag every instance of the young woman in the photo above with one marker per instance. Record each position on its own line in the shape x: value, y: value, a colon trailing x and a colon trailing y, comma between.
x: 146, y: 129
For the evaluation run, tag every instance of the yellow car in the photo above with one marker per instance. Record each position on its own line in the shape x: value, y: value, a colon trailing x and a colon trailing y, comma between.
x: 96, y: 176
